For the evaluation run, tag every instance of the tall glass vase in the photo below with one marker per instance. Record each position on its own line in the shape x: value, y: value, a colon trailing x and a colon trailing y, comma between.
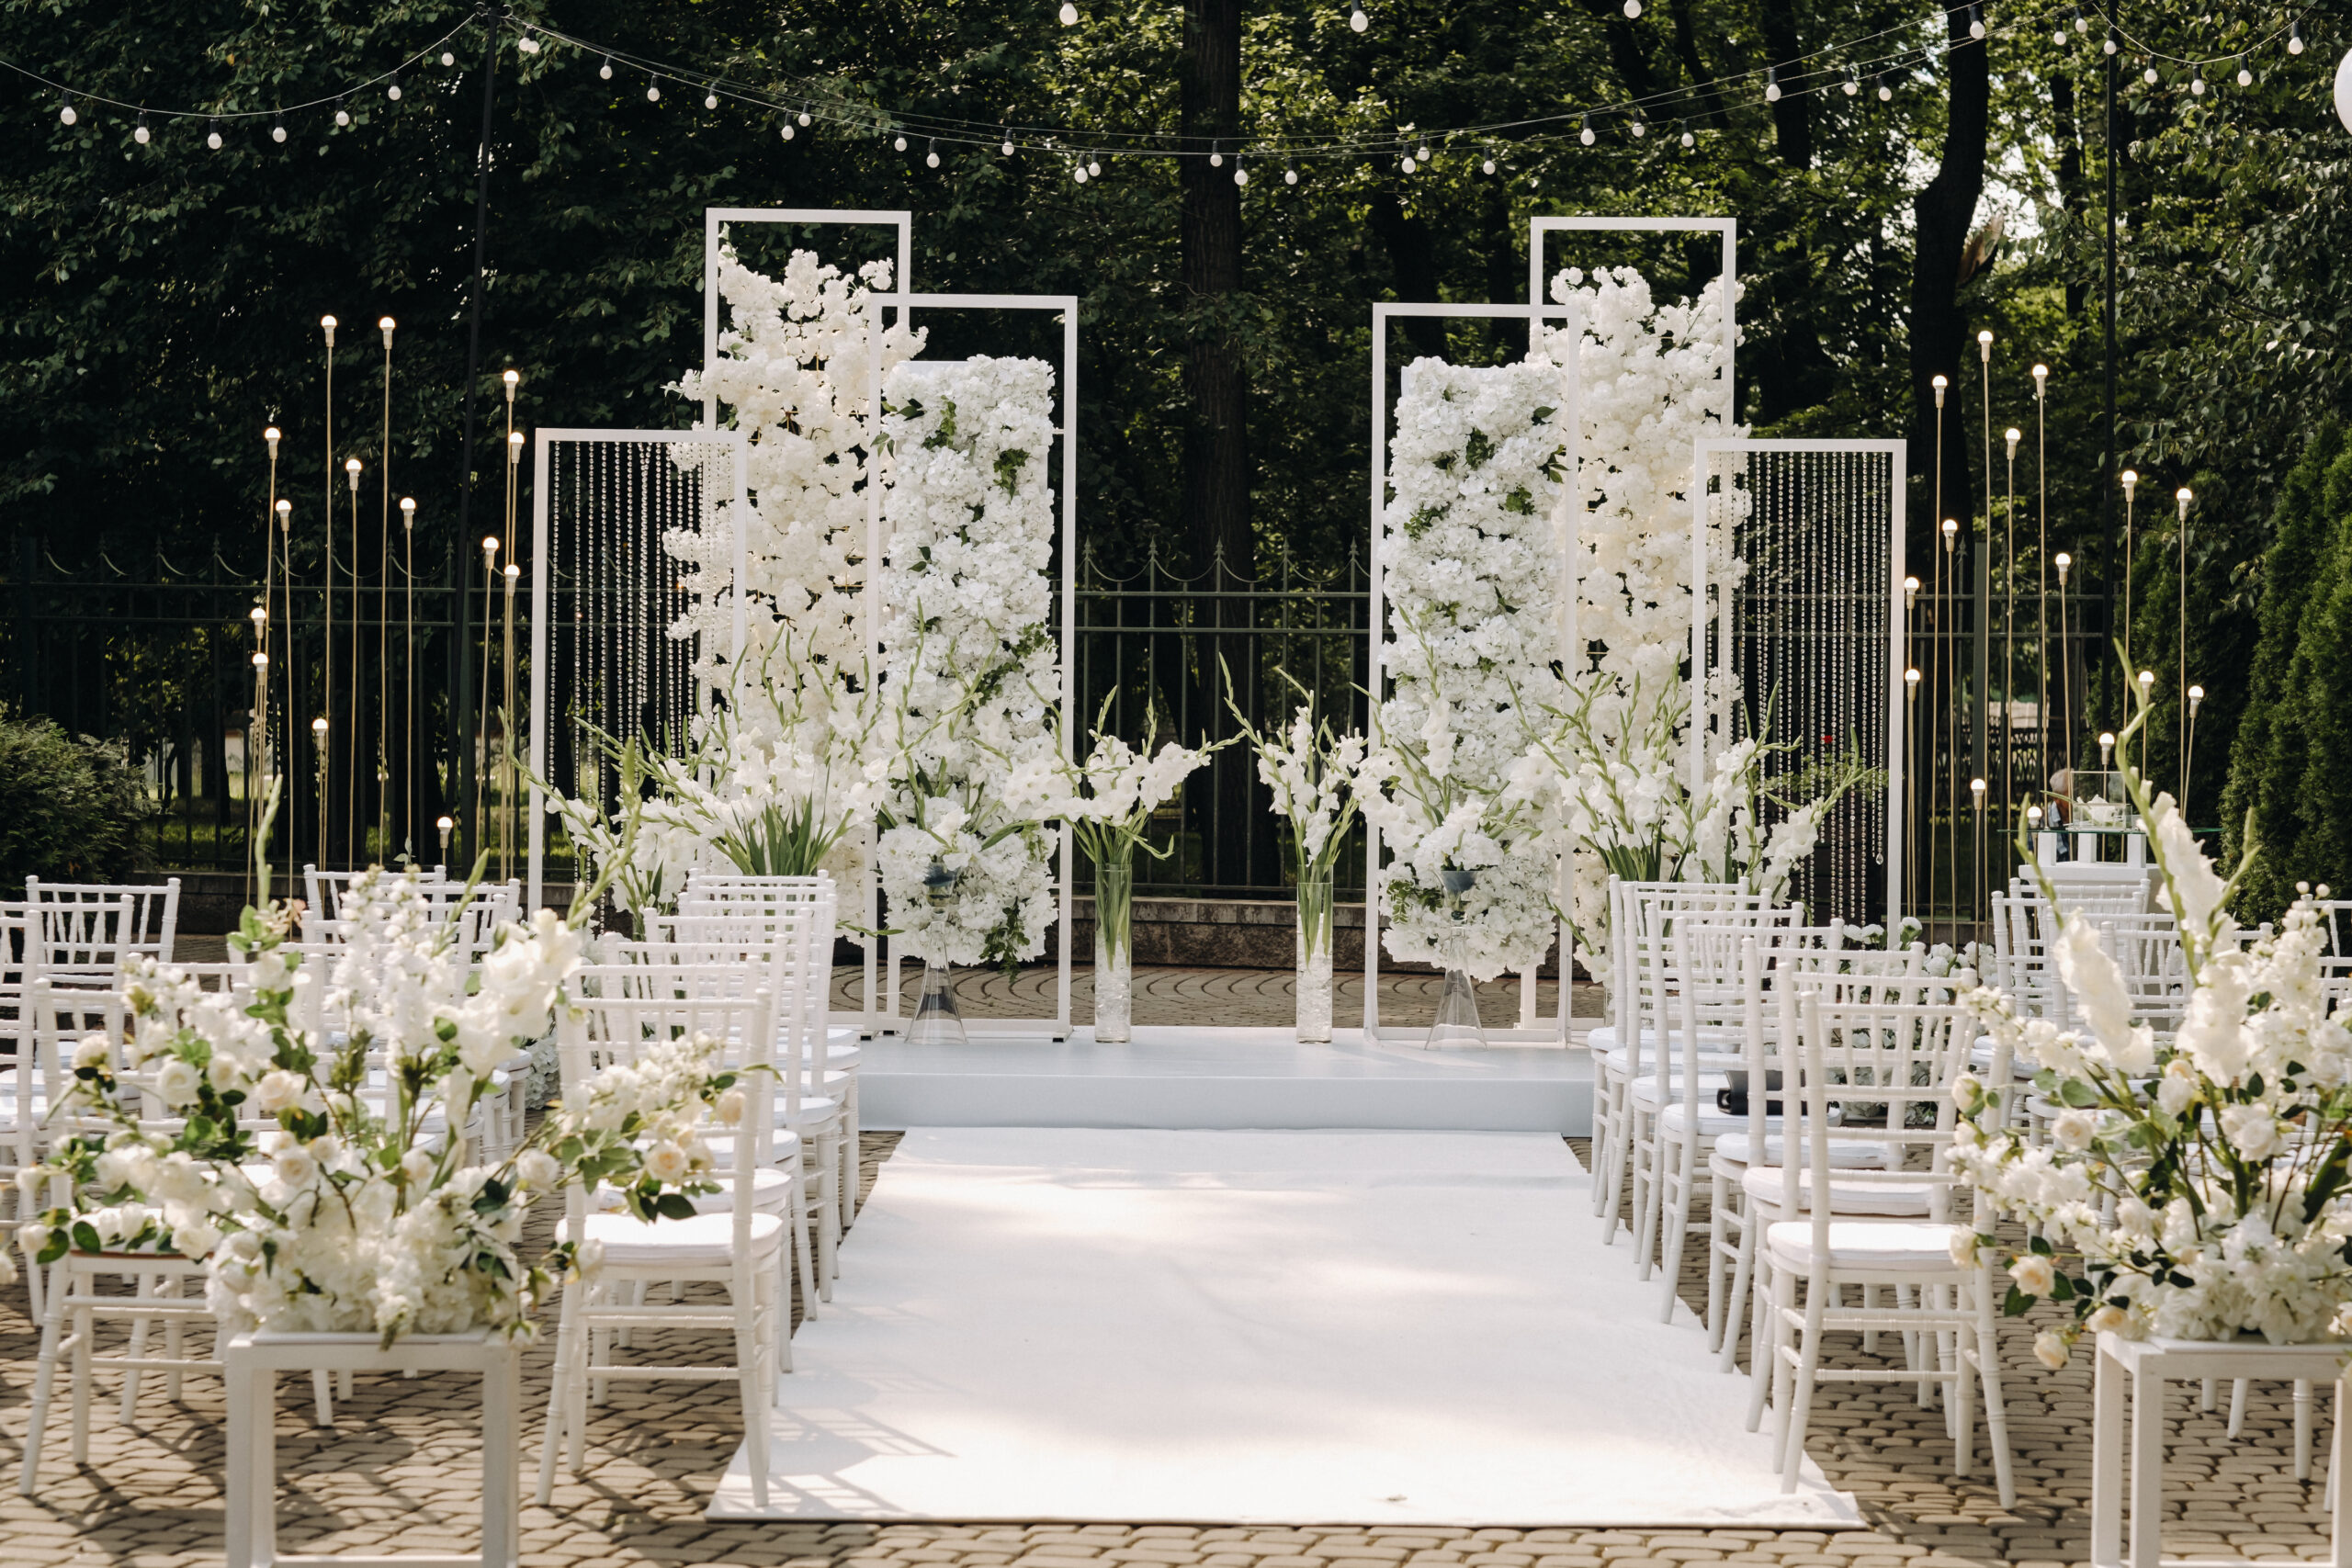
x: 938, y: 1020
x: 1314, y: 957
x: 1113, y: 954
x: 1457, y: 1003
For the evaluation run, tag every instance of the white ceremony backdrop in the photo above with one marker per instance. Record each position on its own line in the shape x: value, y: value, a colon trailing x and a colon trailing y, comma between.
x: 1527, y: 1029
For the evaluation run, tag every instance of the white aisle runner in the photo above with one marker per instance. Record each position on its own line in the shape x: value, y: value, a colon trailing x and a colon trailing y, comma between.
x: 1254, y: 1327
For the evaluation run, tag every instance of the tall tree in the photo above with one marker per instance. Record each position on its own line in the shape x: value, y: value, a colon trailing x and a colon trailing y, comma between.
x: 1942, y: 212
x: 1217, y: 429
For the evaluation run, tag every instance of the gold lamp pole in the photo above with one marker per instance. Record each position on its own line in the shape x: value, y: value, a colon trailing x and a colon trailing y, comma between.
x: 319, y: 744
x: 506, y: 736
x: 358, y: 707
x: 445, y: 824
x: 255, y: 729
x: 408, y: 677
x: 2042, y: 565
x: 293, y: 683
x: 326, y: 695
x: 1911, y: 824
x: 2131, y: 484
x: 2196, y: 701
x: 2147, y: 679
x: 1935, y: 643
x: 489, y: 586
x: 1950, y: 571
x: 383, y: 615
x: 257, y: 737
x: 2184, y: 497
x: 2065, y: 563
x: 2008, y: 637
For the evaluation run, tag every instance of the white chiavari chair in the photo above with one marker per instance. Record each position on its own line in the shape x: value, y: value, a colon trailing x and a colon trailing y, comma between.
x: 1887, y: 1071
x: 130, y: 917
x: 837, y: 1052
x: 20, y: 1103
x: 738, y: 1248
x: 1630, y: 1046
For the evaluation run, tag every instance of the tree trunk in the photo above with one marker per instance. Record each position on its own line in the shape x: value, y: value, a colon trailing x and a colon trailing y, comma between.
x: 1218, y: 543
x: 2070, y: 173
x: 1943, y: 211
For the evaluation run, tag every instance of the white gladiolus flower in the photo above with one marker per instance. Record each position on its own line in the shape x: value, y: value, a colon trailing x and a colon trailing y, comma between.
x: 2097, y: 984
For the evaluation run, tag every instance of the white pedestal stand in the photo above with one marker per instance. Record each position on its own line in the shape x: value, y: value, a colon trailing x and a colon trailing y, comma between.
x: 2148, y: 1365
x: 253, y: 1362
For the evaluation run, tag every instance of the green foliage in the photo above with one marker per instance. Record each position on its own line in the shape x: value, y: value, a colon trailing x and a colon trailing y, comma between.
x: 71, y: 807
x: 2291, y: 765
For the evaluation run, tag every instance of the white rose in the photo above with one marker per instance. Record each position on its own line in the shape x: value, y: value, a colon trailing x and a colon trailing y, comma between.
x: 276, y: 1091
x: 2049, y: 1347
x: 590, y: 1257
x: 92, y: 1052
x: 729, y: 1108
x: 195, y: 1240
x: 177, y: 1083
x: 2073, y: 1130
x: 2033, y: 1274
x: 536, y: 1167
x: 1963, y: 1246
x: 666, y: 1163
x: 1968, y: 1091
x: 295, y: 1167
x: 2252, y: 1130
x: 222, y: 1072
x: 2108, y: 1319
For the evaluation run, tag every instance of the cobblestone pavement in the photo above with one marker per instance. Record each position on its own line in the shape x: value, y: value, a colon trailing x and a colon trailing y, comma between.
x: 397, y: 1474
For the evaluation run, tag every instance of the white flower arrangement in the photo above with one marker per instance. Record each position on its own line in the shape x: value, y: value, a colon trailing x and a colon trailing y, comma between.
x: 1653, y: 378
x: 794, y: 374
x: 971, y: 677
x: 1470, y: 565
x: 2190, y: 1188
x: 317, y: 1169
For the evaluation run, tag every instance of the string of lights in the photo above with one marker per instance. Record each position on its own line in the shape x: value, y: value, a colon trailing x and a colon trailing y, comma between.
x: 802, y: 105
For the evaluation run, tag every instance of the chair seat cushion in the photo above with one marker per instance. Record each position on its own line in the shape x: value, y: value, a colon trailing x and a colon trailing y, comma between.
x: 1866, y: 1246
x: 1650, y: 1093
x: 814, y: 1115
x: 1892, y: 1199
x: 705, y: 1242
x: 843, y: 1058
x: 1845, y: 1154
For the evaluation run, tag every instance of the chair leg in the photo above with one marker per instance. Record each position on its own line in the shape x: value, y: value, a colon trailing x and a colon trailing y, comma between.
x: 849, y: 1177
x: 2302, y: 1428
x: 322, y: 1403
x: 1988, y: 1370
x: 52, y: 1329
x: 1678, y: 1225
x: 1735, y: 1302
x: 143, y: 1288
x: 85, y: 1325
x: 2237, y: 1406
x: 1784, y: 1297
x: 1718, y: 1244
x: 803, y: 1238
x: 751, y: 1356
x: 1808, y: 1370
x: 567, y: 1371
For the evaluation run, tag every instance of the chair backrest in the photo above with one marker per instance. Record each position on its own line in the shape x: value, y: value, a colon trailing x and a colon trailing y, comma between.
x: 603, y: 1031
x: 1652, y: 910
x: 1885, y: 1069
x: 154, y: 918
x: 85, y: 944
x: 787, y: 947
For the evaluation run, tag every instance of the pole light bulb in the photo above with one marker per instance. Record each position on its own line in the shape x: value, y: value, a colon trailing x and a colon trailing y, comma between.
x: 2041, y: 379
x: 351, y: 469
x: 2065, y: 563
x: 1985, y: 346
x: 319, y: 728
x: 2147, y: 678
x: 261, y: 661
x: 2033, y: 815
x: 285, y: 513
x: 489, y: 546
x: 2183, y: 496
x: 1911, y: 679
x: 1976, y: 788
x: 1910, y: 592
x: 384, y: 324
x: 2106, y: 746
x: 2196, y: 696
x: 2013, y: 436
x: 327, y: 325
x: 2131, y: 480
x: 257, y: 614
x: 271, y: 436
x: 1938, y: 383
x: 408, y: 511
x: 513, y: 445
x: 512, y: 571
x: 513, y: 378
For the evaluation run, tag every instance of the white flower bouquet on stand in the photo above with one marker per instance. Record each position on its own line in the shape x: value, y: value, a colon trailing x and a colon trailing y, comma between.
x: 1108, y: 798
x: 309, y: 1144
x: 1312, y: 773
x: 2192, y: 1188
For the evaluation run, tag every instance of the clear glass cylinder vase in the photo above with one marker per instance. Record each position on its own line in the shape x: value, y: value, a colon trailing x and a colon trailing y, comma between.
x: 1457, y: 1022
x: 1314, y: 958
x: 1113, y: 954
x: 938, y: 1020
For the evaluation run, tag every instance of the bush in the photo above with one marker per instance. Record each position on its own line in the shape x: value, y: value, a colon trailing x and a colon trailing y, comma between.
x: 71, y: 806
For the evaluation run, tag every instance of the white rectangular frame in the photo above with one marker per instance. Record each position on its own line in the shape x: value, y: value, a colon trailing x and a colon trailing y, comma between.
x: 1382, y: 314
x: 1897, y: 455
x: 872, y: 1020
x: 543, y: 588
x: 1589, y: 223
x: 712, y: 217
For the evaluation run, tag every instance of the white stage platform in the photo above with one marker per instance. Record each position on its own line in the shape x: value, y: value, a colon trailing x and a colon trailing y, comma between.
x: 1238, y: 1078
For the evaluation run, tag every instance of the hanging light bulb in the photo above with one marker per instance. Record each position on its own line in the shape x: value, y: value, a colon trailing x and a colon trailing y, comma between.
x: 709, y: 100
x: 1772, y: 84
x: 1683, y: 126
x: 2197, y: 87
x: 1584, y: 129
x: 1886, y: 87
x: 1093, y: 168
x: 447, y: 58
x: 1357, y: 20
x: 1217, y: 156
x: 899, y: 143
x: 930, y: 154
x: 212, y: 136
x: 1007, y: 148
x: 342, y: 114
x: 1633, y: 9
x: 2246, y: 77
x: 653, y: 91
x: 2110, y: 45
x: 65, y: 115
x: 1068, y: 14
x: 606, y: 69
x: 526, y: 44
x: 1079, y: 174
x: 2295, y: 37
x: 1290, y: 176
x: 1975, y: 22
x: 277, y: 129
x: 1637, y: 128
x: 1852, y: 85
x: 1488, y: 167
x: 2082, y: 23
x: 1407, y: 165
x: 1421, y: 154
x: 803, y: 120
x: 787, y: 130
x: 139, y: 131
x: 392, y: 88
x: 1241, y: 175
